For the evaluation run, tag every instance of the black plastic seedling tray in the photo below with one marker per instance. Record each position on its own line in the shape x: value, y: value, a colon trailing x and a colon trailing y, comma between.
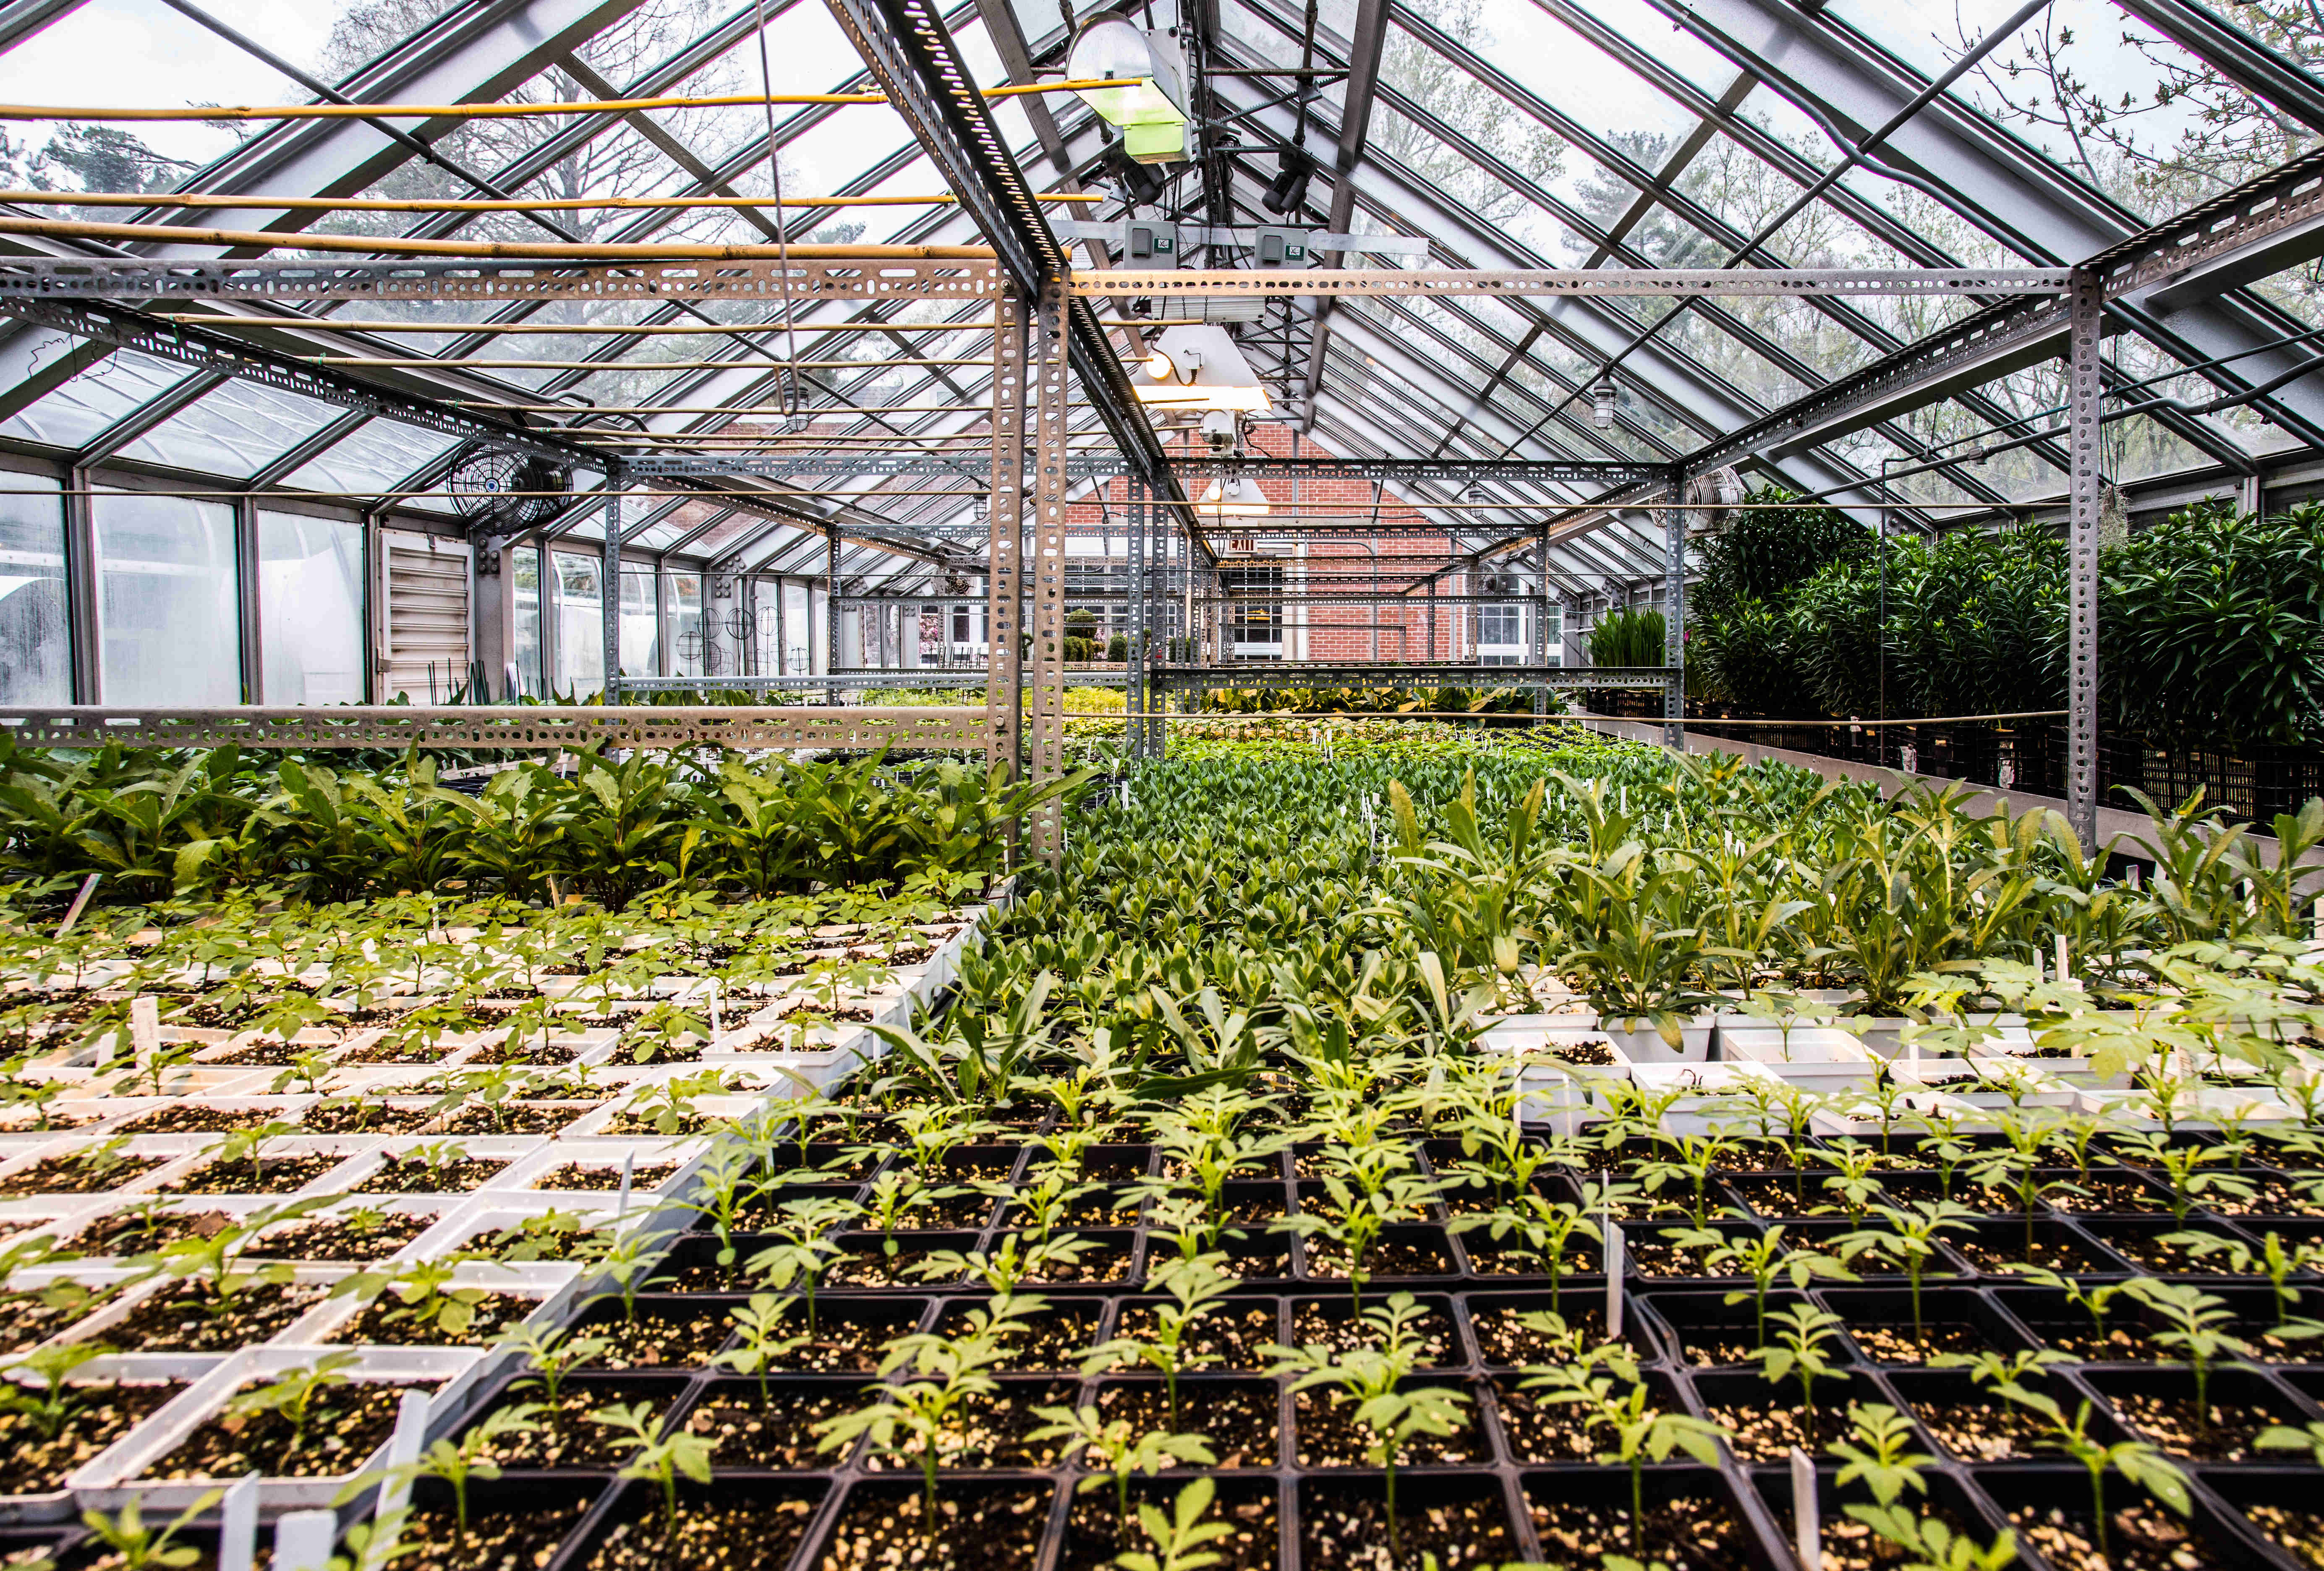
x: 1510, y: 1482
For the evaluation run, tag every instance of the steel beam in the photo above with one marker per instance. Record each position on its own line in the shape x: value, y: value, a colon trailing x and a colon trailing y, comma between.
x: 1004, y: 591
x: 1045, y: 746
x: 571, y: 728
x: 2083, y: 428
x: 1364, y: 53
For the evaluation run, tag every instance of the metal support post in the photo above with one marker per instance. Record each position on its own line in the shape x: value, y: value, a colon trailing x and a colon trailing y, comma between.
x: 831, y: 612
x: 1005, y: 538
x: 609, y: 589
x: 1541, y: 616
x: 1047, y: 745
x: 1134, y: 672
x: 1674, y: 619
x: 2086, y: 300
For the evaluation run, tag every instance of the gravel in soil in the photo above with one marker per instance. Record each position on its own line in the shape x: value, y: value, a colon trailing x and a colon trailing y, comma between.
x: 180, y: 1320
x: 1056, y: 1340
x: 397, y: 1177
x: 2008, y: 1248
x: 593, y: 1176
x: 2223, y: 1432
x: 1758, y: 1434
x: 1342, y: 1333
x: 1328, y: 1437
x: 1897, y: 1343
x: 650, y: 1341
x: 1660, y: 1258
x: 874, y: 1267
x: 32, y: 1463
x: 2117, y: 1345
x: 27, y: 1320
x: 991, y: 1432
x: 1239, y: 1422
x: 385, y: 1324
x: 345, y: 1425
x: 513, y: 1118
x: 1543, y: 1431
x: 124, y: 1232
x: 2149, y: 1252
x: 1491, y: 1260
x: 2109, y: 1196
x: 363, y: 1118
x: 983, y: 1530
x: 62, y: 1175
x: 780, y: 1435
x: 1098, y: 1535
x: 1502, y: 1338
x: 729, y: 1535
x: 1387, y: 1258
x: 2271, y: 1197
x: 2299, y: 1533
x: 514, y: 1540
x: 277, y: 1175
x: 565, y: 1437
x: 1232, y: 1338
x: 1849, y: 1546
x: 1686, y: 1533
x: 375, y: 1238
x: 1710, y: 1346
x: 201, y: 1120
x: 1987, y: 1429
x: 2139, y: 1538
x: 1349, y: 1529
x: 839, y: 1345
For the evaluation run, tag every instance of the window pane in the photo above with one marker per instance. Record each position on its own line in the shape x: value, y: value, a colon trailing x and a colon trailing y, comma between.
x: 525, y: 564
x: 682, y: 604
x: 310, y: 609
x: 35, y: 632
x: 580, y: 626
x: 168, y: 627
x: 640, y: 628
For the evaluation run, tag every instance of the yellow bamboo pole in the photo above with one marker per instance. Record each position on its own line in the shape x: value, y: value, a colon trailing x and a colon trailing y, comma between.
x: 216, y: 111
x: 473, y: 205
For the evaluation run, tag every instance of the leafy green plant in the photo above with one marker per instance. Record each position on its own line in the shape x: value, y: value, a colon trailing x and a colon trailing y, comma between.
x: 659, y: 1457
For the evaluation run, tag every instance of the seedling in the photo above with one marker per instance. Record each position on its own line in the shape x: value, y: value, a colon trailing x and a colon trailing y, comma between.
x: 208, y: 1262
x: 1801, y: 1339
x: 250, y: 1146
x: 659, y: 1457
x: 306, y: 1071
x: 2095, y: 1301
x: 807, y: 1248
x: 293, y: 1393
x: 1878, y: 1453
x: 2186, y: 1168
x: 2135, y: 1460
x: 1763, y: 1258
x: 1118, y: 1448
x: 423, y: 1293
x: 1643, y: 1433
x: 2274, y: 1261
x: 470, y: 1457
x: 143, y: 1548
x: 1197, y: 1287
x: 52, y: 1408
x: 1179, y: 1538
x: 552, y: 1353
x: 1910, y: 1240
x: 760, y: 1325
x: 1546, y: 1228
x: 2281, y: 1438
x: 2197, y: 1328
x: 1372, y: 1380
x: 923, y: 1417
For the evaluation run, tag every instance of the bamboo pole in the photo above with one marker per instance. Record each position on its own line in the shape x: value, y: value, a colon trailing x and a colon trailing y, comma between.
x: 211, y: 112
x: 474, y: 204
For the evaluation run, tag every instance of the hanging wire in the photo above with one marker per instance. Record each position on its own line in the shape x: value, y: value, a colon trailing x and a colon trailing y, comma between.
x: 792, y: 418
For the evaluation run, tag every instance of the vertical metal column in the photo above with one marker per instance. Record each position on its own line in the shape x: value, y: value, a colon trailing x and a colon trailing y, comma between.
x: 1005, y: 538
x: 1045, y: 746
x: 1674, y: 618
x: 2086, y: 303
x: 1541, y: 619
x: 609, y: 589
x: 830, y: 613
x: 1133, y: 675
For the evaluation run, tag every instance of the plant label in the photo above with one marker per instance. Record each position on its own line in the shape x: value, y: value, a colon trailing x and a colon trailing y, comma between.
x: 1614, y: 1256
x: 1807, y: 1518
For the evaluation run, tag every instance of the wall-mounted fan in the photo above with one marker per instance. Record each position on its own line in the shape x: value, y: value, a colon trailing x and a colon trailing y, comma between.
x: 502, y: 488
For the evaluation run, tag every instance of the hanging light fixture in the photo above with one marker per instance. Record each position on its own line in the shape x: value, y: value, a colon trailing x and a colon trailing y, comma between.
x: 1198, y: 368
x: 1234, y: 497
x: 1602, y: 403
x: 1152, y: 111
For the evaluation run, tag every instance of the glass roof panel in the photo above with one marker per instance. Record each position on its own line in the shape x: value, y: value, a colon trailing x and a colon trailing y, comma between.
x: 234, y: 430
x: 373, y: 458
x: 94, y: 402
